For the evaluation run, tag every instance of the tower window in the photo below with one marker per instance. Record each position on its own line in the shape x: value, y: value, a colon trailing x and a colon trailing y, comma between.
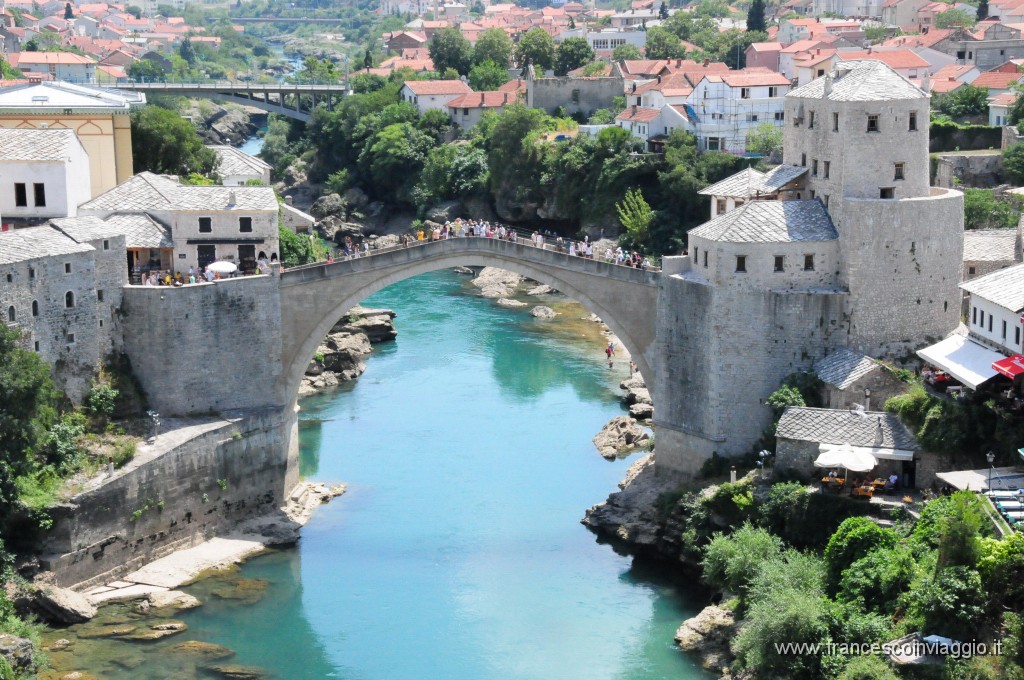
x: 71, y: 338
x: 10, y: 278
x: 887, y: 192
x: 40, y: 194
x: 974, y: 315
x: 720, y: 206
x: 913, y: 121
x: 810, y: 120
x: 814, y: 167
x: 828, y: 165
x: 20, y: 195
x: 872, y: 123
x: 808, y: 263
x: 106, y: 245
x: 803, y: 160
x: 835, y: 122
x: 31, y: 273
x: 35, y: 308
x: 780, y: 263
x: 705, y: 258
x: 741, y: 263
x: 12, y: 316
x: 244, y: 224
x: 99, y: 295
x: 67, y: 267
x: 695, y: 249
x: 899, y: 170
x: 69, y: 299
x: 1004, y: 330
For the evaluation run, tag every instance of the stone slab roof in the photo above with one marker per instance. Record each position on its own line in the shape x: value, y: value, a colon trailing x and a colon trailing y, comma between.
x: 236, y: 162
x: 990, y: 245
x: 32, y: 144
x: 860, y: 81
x: 1004, y: 287
x: 839, y: 426
x: 771, y: 222
x: 844, y: 367
x: 146, y: 191
x: 85, y: 229
x: 33, y: 243
x: 141, y: 231
x: 749, y: 182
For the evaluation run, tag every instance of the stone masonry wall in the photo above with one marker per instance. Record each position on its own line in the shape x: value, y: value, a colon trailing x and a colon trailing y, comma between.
x: 110, y: 531
x: 575, y: 94
x: 205, y: 348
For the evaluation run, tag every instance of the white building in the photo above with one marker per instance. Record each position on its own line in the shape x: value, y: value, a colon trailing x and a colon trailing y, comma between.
x: 606, y: 38
x: 648, y: 123
x: 467, y: 110
x: 428, y: 95
x: 729, y: 105
x: 995, y: 307
x: 43, y: 173
x: 237, y: 167
x: 207, y: 223
x: 66, y: 66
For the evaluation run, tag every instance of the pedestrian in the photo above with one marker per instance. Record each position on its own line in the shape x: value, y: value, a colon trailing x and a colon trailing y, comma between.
x: 632, y: 369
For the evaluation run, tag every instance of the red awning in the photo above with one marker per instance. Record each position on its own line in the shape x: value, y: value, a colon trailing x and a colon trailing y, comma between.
x: 1011, y: 367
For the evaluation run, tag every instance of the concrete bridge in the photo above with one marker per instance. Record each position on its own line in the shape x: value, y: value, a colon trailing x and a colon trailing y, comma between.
x: 293, y: 100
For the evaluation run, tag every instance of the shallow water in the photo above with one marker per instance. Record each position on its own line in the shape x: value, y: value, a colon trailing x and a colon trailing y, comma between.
x: 457, y: 550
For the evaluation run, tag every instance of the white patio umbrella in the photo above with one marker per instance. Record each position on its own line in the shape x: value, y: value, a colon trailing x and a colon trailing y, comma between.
x: 844, y: 456
x: 222, y: 267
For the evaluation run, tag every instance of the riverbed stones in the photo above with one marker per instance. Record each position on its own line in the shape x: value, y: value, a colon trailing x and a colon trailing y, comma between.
x: 541, y: 290
x: 708, y: 635
x: 245, y: 590
x: 157, y: 631
x: 465, y: 271
x: 620, y: 435
x: 497, y: 283
x: 510, y: 303
x: 235, y: 672
x: 206, y: 650
x: 172, y: 599
x: 376, y: 324
x: 543, y: 313
x: 17, y: 652
x: 106, y: 632
x: 62, y: 606
x: 59, y: 645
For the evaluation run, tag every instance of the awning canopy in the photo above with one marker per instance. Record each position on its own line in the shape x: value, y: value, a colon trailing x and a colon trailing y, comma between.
x: 1011, y: 367
x: 964, y: 359
x: 853, y: 458
x: 878, y: 452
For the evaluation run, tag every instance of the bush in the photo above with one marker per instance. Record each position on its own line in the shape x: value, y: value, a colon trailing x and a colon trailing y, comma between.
x: 936, y: 517
x: 791, y: 569
x: 1002, y: 572
x: 732, y: 561
x: 803, y: 519
x: 731, y: 504
x: 124, y: 451
x: 101, y: 400
x: 868, y: 668
x: 952, y: 604
x: 786, y: 615
x: 854, y: 539
x: 62, y: 450
x: 983, y: 211
x: 876, y: 581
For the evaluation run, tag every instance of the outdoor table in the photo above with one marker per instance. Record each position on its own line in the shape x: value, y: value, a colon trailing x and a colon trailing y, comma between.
x: 867, y: 491
x: 878, y: 484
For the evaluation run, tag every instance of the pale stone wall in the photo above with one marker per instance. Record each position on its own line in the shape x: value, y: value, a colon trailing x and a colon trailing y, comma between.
x: 721, y: 258
x: 575, y: 94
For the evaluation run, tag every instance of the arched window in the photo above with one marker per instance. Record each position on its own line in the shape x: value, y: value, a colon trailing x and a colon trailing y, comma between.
x: 11, y: 315
x: 69, y: 299
x: 35, y: 308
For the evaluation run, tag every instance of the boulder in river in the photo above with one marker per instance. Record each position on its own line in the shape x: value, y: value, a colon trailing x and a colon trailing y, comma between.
x: 642, y: 411
x: 541, y: 290
x: 620, y: 435
x: 497, y: 283
x: 513, y: 304
x: 463, y: 270
x: 708, y: 635
x: 542, y: 312
x: 638, y: 395
x: 157, y: 631
x: 63, y: 606
x: 235, y: 672
x: 206, y: 650
x: 376, y: 324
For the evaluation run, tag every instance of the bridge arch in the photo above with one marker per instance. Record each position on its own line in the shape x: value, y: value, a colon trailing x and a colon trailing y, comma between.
x: 314, y: 298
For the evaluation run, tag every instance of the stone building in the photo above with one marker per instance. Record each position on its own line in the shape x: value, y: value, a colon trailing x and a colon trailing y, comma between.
x: 850, y: 378
x: 61, y: 291
x: 575, y: 95
x: 237, y: 167
x: 856, y: 251
x: 43, y: 173
x: 206, y: 223
x: 988, y: 250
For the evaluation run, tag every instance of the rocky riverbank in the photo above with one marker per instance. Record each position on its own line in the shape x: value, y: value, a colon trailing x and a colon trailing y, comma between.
x: 229, y: 124
x: 340, y: 357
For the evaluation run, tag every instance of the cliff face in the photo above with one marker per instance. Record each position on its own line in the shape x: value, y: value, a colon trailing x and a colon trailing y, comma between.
x: 231, y: 125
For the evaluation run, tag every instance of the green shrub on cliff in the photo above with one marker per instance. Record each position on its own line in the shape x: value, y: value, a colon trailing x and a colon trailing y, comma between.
x: 731, y: 561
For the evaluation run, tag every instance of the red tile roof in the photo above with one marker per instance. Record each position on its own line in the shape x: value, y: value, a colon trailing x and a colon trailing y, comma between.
x: 427, y: 87
x: 894, y: 58
x: 639, y: 114
x: 482, y: 100
x: 995, y: 80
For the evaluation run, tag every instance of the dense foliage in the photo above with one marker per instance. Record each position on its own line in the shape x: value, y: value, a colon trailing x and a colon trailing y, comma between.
x: 982, y: 210
x: 963, y: 102
x: 165, y: 143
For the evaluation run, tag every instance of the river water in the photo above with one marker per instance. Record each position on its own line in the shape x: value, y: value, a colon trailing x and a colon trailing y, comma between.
x: 457, y: 550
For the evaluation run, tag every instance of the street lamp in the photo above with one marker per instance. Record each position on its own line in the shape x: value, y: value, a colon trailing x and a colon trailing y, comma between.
x: 990, y: 457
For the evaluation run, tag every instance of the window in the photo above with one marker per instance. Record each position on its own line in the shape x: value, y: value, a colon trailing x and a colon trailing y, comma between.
x: 808, y: 263
x: 1016, y: 335
x: 36, y: 345
x: 810, y: 120
x: 803, y: 160
x: 744, y: 93
x: 812, y: 194
x: 99, y: 295
x: 35, y: 308
x: 205, y: 225
x: 989, y: 323
x: 720, y: 206
x: 714, y: 143
x: 872, y: 123
x: 695, y: 249
x: 887, y: 192
x: 981, y: 319
x: 773, y: 91
x: 974, y: 315
x: 71, y: 338
x: 106, y: 245
x: 825, y: 200
x: 913, y: 121
x: 465, y: 111
x: 835, y: 122
x: 31, y: 273
x: 67, y: 267
x: 40, y: 194
x: 69, y: 299
x: 705, y: 258
x: 899, y: 170
x: 20, y: 195
x: 575, y: 96
x: 780, y: 116
x: 814, y: 167
x: 1004, y: 330
x: 741, y: 263
x: 11, y: 314
x: 10, y: 278
x: 751, y: 117
x: 970, y: 270
x: 780, y: 263
x: 101, y: 323
x: 244, y: 224
x: 828, y: 165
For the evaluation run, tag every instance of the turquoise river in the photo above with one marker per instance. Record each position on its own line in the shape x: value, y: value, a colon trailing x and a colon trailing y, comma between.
x: 457, y: 551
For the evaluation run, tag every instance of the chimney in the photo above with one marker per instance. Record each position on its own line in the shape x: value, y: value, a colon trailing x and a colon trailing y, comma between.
x: 870, y: 47
x: 506, y: 98
x: 288, y: 199
x: 232, y: 199
x: 926, y: 82
x: 828, y: 87
x: 707, y: 60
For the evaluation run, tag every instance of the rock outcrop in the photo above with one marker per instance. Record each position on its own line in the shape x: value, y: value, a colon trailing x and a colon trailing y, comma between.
x: 340, y: 357
x: 376, y: 324
x: 17, y: 652
x: 620, y: 435
x: 542, y: 289
x: 231, y: 124
x: 542, y: 312
x: 638, y: 398
x: 62, y: 606
x: 707, y: 635
x: 512, y: 304
x: 497, y: 283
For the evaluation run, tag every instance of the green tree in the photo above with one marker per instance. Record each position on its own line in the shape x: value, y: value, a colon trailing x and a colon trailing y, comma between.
x: 295, y: 249
x: 367, y: 59
x: 718, y: 9
x: 1001, y: 568
x: 317, y: 71
x: 755, y: 16
x: 964, y: 101
x: 134, y: 10
x: 8, y: 72
x: 487, y: 76
x: 69, y: 13
x: 146, y: 70
x: 165, y: 143
x: 625, y: 52
x: 363, y: 83
x: 731, y: 561
x: 877, y: 580
x: 635, y: 215
x: 663, y: 44
x: 188, y: 52
x: 1013, y: 162
x: 449, y: 49
x: 854, y: 539
x: 982, y: 12
x: 663, y: 11
x: 571, y: 54
x: 789, y: 615
x: 960, y: 532
x: 983, y: 211
x: 393, y: 157
x: 765, y: 139
x: 493, y: 45
x: 537, y: 48
x: 954, y: 17
x: 952, y: 604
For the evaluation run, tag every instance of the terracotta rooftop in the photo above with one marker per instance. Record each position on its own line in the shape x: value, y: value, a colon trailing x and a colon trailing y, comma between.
x: 428, y: 87
x: 485, y: 100
x: 996, y: 80
x: 639, y: 114
x: 894, y: 58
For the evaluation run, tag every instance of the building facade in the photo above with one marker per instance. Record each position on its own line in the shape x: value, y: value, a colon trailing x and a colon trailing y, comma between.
x: 43, y: 173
